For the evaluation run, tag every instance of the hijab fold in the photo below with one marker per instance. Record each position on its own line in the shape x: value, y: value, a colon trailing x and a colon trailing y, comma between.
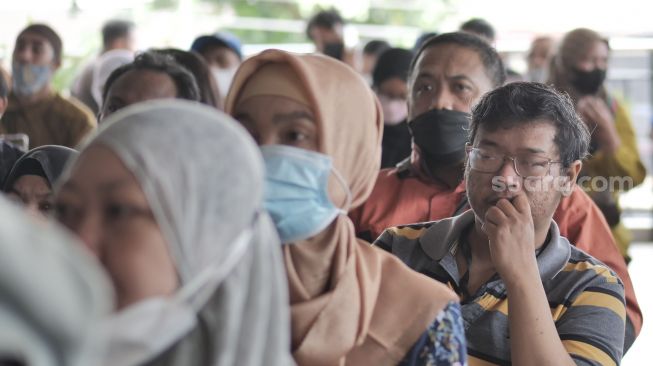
x: 358, y: 305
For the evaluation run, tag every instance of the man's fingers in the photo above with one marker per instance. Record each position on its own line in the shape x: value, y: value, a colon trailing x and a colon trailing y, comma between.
x: 522, y: 205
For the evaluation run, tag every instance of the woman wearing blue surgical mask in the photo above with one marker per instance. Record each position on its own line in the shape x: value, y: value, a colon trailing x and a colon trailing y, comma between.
x: 580, y: 69
x: 319, y: 127
x: 193, y: 258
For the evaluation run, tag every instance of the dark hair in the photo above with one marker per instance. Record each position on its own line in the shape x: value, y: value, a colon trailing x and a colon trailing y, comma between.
x: 479, y: 26
x: 423, y: 38
x: 49, y: 34
x: 489, y: 57
x: 159, y: 62
x: 376, y: 47
x: 324, y: 19
x: 521, y: 103
x: 194, y: 63
x: 392, y: 63
x: 4, y: 87
x: 115, y: 29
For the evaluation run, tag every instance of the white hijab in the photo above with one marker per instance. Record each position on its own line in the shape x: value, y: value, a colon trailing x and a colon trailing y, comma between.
x: 53, y: 295
x: 203, y: 178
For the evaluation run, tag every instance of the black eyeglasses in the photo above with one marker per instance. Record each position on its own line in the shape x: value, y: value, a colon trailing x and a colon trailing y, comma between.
x: 525, y: 166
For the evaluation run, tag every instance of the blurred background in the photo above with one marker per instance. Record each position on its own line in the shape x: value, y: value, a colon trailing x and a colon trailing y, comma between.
x: 264, y: 24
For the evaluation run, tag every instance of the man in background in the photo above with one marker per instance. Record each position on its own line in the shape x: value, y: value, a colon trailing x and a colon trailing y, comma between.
x: 34, y: 108
x: 116, y: 35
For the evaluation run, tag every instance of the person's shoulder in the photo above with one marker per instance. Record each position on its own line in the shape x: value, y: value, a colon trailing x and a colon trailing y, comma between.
x: 582, y: 264
x: 73, y: 109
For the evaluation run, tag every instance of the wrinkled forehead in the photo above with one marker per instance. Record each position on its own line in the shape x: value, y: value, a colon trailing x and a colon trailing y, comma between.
x: 452, y: 60
x: 537, y: 136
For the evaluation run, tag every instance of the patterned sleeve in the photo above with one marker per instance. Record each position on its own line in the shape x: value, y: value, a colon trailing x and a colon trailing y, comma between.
x: 443, y: 343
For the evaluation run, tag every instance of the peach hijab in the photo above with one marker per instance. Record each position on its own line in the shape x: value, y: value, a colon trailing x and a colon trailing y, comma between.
x: 351, y: 303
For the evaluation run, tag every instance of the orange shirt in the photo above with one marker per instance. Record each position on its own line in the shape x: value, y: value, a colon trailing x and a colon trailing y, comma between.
x: 399, y: 198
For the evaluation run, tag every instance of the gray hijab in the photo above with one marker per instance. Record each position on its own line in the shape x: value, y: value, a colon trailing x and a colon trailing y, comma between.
x: 203, y: 178
x: 53, y: 295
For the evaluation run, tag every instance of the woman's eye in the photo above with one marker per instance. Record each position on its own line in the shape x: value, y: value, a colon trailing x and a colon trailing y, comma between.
x: 297, y: 136
x: 45, y: 207
x: 424, y: 88
x: 115, y: 212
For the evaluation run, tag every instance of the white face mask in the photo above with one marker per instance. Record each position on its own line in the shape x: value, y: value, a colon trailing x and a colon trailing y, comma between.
x: 223, y: 78
x: 395, y: 111
x: 145, y: 329
x: 539, y: 75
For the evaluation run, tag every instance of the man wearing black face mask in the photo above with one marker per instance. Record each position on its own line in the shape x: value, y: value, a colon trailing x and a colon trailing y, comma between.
x: 579, y: 69
x: 448, y: 75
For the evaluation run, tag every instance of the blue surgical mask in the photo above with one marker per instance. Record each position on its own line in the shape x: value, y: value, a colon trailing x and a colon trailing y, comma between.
x: 29, y: 78
x: 296, y: 191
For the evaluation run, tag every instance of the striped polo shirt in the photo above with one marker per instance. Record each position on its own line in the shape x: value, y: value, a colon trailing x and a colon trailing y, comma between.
x: 586, y: 298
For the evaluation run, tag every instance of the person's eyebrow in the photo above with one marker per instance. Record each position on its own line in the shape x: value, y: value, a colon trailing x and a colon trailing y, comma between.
x: 292, y: 116
x: 424, y: 75
x: 486, y: 142
x: 460, y: 77
x: 533, y: 150
x: 103, y: 187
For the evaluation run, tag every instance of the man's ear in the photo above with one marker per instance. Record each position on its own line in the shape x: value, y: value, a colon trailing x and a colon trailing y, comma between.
x: 571, y: 176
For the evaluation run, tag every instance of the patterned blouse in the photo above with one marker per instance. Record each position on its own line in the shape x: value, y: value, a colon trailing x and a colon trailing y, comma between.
x: 443, y: 343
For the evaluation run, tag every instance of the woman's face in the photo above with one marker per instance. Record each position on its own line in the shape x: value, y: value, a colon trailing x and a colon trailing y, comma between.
x: 276, y: 120
x: 105, y: 206
x: 34, y: 192
x: 596, y: 57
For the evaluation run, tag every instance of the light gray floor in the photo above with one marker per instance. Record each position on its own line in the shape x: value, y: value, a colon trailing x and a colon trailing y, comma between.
x: 641, y: 272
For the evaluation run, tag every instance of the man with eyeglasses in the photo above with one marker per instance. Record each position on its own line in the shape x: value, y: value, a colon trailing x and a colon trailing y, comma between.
x: 448, y: 76
x: 528, y: 296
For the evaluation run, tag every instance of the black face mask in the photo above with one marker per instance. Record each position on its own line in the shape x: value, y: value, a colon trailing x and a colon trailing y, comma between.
x: 335, y: 50
x: 588, y: 82
x: 441, y: 135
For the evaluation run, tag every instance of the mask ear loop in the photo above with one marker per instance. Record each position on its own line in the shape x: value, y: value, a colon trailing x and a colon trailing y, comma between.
x: 344, y: 210
x: 196, y: 291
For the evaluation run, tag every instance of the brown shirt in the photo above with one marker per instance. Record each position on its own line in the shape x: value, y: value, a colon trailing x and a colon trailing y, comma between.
x: 52, y: 121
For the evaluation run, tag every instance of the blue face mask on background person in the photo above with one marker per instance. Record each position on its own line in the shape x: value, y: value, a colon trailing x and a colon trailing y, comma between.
x: 296, y: 191
x: 29, y: 79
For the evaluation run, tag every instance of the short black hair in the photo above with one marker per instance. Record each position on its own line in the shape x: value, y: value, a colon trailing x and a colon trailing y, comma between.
x: 522, y: 103
x: 116, y: 29
x: 494, y: 68
x: 324, y: 19
x: 156, y: 61
x: 194, y: 63
x: 4, y: 86
x: 479, y: 26
x: 48, y: 33
x: 393, y: 63
x: 376, y: 47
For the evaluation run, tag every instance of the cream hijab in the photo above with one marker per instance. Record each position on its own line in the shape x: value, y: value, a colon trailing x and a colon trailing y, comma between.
x: 351, y: 303
x: 53, y: 295
x: 203, y: 179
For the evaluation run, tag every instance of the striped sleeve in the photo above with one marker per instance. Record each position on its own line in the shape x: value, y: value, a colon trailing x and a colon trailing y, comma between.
x: 592, y: 328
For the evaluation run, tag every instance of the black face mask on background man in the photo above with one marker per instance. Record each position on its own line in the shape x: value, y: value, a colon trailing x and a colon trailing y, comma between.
x: 588, y: 82
x: 441, y: 135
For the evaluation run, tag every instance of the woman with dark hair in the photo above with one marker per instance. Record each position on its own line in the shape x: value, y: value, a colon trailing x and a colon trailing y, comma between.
x: 32, y: 177
x: 193, y: 62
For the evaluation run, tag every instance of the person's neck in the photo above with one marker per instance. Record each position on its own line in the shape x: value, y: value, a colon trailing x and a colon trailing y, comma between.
x: 27, y: 100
